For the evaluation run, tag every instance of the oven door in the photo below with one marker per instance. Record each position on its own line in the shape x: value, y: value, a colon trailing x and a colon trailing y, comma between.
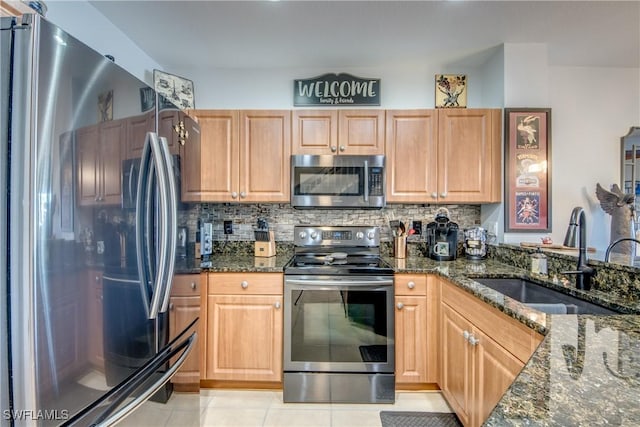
x: 339, y: 324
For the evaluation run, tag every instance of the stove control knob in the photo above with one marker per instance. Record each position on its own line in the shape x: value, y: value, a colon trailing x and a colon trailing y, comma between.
x: 359, y: 235
x: 314, y: 235
x: 302, y: 235
x: 371, y: 235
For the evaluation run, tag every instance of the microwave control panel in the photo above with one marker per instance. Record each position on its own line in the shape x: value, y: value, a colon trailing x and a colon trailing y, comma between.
x: 376, y: 181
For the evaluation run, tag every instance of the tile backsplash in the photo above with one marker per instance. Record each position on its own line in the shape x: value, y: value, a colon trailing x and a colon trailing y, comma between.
x: 282, y: 218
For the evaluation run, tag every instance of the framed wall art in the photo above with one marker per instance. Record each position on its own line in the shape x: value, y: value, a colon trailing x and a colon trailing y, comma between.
x: 451, y: 91
x: 527, y: 190
x: 174, y: 90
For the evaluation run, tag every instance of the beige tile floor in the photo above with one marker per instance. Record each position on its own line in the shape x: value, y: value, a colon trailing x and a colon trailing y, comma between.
x: 243, y: 408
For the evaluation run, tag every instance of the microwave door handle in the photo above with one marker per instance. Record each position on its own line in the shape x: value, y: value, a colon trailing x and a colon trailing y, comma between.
x: 366, y: 180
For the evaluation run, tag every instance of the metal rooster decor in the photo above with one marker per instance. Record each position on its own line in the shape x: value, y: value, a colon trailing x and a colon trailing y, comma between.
x: 621, y: 208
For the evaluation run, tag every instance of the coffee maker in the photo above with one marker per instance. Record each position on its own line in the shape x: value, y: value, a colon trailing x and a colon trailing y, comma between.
x: 442, y: 238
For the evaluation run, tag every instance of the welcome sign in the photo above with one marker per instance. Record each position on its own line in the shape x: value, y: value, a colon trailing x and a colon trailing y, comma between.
x: 336, y: 89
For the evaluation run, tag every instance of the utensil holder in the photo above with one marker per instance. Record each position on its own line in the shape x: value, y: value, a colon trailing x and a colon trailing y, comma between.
x: 400, y: 247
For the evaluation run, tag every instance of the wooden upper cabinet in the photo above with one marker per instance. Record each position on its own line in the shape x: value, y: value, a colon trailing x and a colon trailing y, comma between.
x: 99, y: 167
x: 167, y: 120
x: 411, y: 149
x: 469, y: 155
x: 338, y: 132
x: 265, y: 156
x: 361, y: 132
x: 216, y: 163
x: 137, y: 128
x: 244, y: 156
x: 314, y: 132
x: 444, y: 156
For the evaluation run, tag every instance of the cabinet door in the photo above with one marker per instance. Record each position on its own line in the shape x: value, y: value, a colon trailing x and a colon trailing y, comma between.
x: 265, y: 156
x: 244, y: 338
x: 361, y: 132
x: 112, y: 144
x: 315, y: 132
x: 191, y: 163
x: 411, y: 339
x: 167, y: 119
x: 137, y: 128
x: 411, y: 153
x: 183, y: 311
x: 217, y: 162
x: 457, y: 369
x: 94, y: 317
x: 469, y: 155
x: 87, y: 158
x: 495, y: 370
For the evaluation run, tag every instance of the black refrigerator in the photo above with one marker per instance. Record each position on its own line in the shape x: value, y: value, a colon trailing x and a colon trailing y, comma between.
x: 85, y: 276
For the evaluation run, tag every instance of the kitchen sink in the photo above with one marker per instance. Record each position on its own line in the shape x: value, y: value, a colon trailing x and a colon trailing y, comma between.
x: 542, y: 298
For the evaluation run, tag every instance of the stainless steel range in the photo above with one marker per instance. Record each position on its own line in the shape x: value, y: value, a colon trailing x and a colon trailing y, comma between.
x: 339, y: 318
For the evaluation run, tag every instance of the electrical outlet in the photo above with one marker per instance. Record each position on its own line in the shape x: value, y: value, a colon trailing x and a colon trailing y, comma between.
x: 417, y: 226
x: 228, y: 227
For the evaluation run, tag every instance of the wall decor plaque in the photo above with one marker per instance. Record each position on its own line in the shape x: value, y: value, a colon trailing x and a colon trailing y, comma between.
x: 336, y: 89
x: 451, y: 91
x: 174, y: 90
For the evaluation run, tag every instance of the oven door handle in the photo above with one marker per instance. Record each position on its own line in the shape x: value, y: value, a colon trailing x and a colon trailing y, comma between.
x: 371, y: 282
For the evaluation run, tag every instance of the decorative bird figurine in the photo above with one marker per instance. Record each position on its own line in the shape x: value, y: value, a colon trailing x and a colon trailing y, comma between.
x: 621, y: 208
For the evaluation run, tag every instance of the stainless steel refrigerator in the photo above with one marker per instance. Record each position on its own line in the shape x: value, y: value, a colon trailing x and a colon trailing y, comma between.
x: 85, y: 275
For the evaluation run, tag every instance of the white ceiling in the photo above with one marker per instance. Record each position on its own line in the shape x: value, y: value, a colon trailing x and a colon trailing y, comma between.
x: 340, y: 34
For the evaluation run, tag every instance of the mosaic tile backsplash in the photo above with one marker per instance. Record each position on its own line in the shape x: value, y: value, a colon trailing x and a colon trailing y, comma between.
x: 282, y: 218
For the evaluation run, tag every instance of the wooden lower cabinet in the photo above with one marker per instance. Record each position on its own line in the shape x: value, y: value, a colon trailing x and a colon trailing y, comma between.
x: 244, y: 325
x: 483, y: 351
x: 184, y: 308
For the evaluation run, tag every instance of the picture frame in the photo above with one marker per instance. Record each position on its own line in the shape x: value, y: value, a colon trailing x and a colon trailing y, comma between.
x: 147, y: 99
x: 527, y: 139
x: 175, y: 90
x: 105, y: 106
x: 451, y: 91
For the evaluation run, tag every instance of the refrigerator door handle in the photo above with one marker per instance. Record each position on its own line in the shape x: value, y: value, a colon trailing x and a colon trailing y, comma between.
x: 187, y: 345
x: 165, y: 219
x: 143, y: 230
x: 170, y: 223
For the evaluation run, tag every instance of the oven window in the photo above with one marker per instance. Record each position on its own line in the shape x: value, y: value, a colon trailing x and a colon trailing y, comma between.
x: 319, y: 181
x: 339, y: 326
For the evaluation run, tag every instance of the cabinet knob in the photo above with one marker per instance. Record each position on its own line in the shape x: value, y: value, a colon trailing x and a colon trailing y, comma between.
x: 443, y: 194
x: 434, y: 195
x: 234, y: 195
x: 277, y: 305
x: 400, y: 306
x: 473, y: 340
x: 244, y: 284
x: 193, y: 285
x: 334, y: 148
x: 411, y: 285
x: 342, y: 148
x: 243, y: 194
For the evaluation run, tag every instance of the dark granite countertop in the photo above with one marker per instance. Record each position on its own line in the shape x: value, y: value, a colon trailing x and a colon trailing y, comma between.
x: 586, y: 371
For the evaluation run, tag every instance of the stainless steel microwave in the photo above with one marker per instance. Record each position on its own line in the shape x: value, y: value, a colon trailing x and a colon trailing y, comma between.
x: 343, y: 181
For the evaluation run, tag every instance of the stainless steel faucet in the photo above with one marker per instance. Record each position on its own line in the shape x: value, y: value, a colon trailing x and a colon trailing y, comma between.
x: 610, y: 247
x: 583, y: 272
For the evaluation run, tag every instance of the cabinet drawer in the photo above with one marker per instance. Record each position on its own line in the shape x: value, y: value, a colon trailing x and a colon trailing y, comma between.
x: 186, y: 285
x: 245, y: 283
x: 410, y: 284
x: 515, y: 337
